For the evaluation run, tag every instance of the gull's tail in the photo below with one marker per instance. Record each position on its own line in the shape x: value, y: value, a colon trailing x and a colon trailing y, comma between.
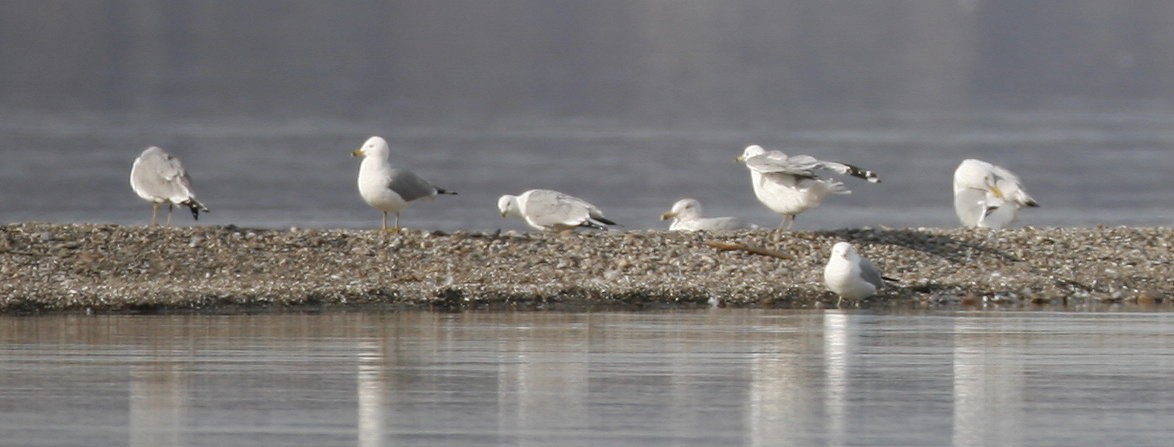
x: 834, y: 186
x: 445, y: 191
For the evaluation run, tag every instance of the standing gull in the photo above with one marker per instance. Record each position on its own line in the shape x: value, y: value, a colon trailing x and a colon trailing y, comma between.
x: 988, y: 196
x: 549, y: 210
x: 686, y: 216
x: 789, y: 185
x: 849, y: 275
x: 387, y: 188
x: 159, y: 177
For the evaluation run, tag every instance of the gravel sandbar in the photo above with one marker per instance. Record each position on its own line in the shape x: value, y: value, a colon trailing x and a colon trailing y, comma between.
x: 111, y: 268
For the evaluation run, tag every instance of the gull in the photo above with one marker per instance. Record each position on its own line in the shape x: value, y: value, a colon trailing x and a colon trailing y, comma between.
x: 159, y: 177
x: 549, y: 210
x: 686, y: 216
x: 851, y: 276
x: 789, y: 185
x: 387, y: 188
x: 988, y: 196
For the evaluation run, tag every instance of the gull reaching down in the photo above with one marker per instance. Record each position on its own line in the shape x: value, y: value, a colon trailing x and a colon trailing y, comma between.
x: 159, y: 177
x: 686, y: 216
x: 387, y: 188
x: 849, y: 275
x: 789, y: 185
x: 548, y: 210
x: 988, y: 196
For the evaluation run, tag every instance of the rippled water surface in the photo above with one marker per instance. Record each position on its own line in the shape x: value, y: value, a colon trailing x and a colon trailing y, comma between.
x: 712, y: 377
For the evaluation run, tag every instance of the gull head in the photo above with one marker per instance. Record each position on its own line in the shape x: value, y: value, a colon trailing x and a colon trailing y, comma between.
x: 375, y: 147
x: 752, y: 150
x: 508, y: 206
x: 846, y: 251
x: 684, y: 209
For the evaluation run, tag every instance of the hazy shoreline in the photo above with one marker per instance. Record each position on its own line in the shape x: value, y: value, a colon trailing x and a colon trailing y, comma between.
x: 111, y: 268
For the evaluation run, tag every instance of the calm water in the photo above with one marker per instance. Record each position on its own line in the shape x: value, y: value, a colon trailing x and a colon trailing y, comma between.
x: 1087, y: 167
x: 631, y: 105
x: 713, y: 377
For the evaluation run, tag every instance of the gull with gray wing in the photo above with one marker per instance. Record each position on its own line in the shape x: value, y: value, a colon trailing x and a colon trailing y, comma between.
x: 686, y: 216
x: 387, y: 188
x: 850, y: 275
x: 790, y: 185
x: 988, y: 196
x: 158, y: 177
x: 549, y: 210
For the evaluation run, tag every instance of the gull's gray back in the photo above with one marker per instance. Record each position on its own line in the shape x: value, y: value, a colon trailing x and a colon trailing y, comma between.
x: 800, y: 165
x: 408, y: 185
x: 871, y: 274
x: 546, y: 207
x: 158, y: 175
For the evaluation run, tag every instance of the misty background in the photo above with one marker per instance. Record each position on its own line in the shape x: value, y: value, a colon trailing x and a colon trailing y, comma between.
x: 629, y: 104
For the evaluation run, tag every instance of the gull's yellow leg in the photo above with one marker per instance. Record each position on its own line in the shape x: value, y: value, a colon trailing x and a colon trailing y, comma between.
x: 396, y: 229
x: 788, y: 220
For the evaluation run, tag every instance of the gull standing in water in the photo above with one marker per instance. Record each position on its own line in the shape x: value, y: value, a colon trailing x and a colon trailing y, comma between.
x: 686, y: 216
x: 849, y: 275
x: 159, y: 177
x: 548, y: 210
x: 789, y: 185
x: 988, y: 196
x: 387, y: 188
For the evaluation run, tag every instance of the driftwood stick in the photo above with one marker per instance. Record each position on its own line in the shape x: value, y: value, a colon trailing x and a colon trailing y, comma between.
x: 729, y: 246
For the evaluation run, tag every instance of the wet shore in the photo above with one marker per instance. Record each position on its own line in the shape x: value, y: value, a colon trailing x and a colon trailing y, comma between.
x: 110, y: 268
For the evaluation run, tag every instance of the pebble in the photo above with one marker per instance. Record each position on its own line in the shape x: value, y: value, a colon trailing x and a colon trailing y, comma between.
x: 124, y: 268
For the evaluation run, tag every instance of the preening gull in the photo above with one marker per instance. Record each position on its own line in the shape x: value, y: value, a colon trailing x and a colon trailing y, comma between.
x: 159, y: 177
x: 549, y: 210
x: 789, y: 185
x: 988, y: 196
x: 849, y: 275
x: 387, y: 188
x: 686, y: 216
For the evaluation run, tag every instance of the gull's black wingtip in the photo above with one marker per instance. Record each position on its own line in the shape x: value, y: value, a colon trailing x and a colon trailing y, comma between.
x: 865, y: 174
x: 195, y: 207
x: 853, y: 170
x: 598, y: 223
